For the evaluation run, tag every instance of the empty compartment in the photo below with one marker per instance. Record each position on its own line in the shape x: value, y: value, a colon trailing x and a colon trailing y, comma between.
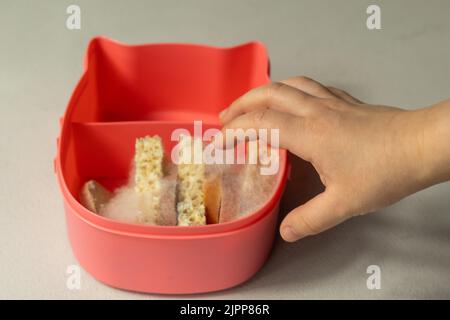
x: 166, y: 81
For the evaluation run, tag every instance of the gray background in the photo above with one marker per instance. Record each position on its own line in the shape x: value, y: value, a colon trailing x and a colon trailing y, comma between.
x: 405, y: 64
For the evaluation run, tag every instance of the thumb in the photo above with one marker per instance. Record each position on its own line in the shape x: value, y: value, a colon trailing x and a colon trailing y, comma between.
x: 318, y: 214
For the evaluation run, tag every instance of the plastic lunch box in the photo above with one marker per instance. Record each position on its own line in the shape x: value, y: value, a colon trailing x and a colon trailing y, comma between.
x: 127, y: 92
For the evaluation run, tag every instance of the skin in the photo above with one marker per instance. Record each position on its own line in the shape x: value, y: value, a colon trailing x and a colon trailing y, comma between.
x: 367, y: 156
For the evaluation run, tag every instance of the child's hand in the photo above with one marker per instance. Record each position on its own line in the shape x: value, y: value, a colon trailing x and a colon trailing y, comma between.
x: 367, y: 156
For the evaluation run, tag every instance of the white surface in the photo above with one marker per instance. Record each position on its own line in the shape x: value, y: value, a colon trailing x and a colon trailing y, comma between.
x: 404, y: 64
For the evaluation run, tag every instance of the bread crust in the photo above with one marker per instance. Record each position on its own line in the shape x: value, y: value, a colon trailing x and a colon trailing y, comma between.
x: 94, y: 196
x: 190, y: 180
x: 212, y: 188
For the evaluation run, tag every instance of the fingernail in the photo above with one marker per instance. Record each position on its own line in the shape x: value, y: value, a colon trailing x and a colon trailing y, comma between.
x: 289, y: 234
x: 222, y: 113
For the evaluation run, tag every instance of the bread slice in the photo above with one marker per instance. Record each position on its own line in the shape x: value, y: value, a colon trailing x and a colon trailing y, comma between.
x: 167, y: 215
x: 190, y: 194
x: 230, y: 195
x: 148, y: 172
x: 244, y: 187
x: 94, y: 196
x: 148, y: 162
x: 212, y: 189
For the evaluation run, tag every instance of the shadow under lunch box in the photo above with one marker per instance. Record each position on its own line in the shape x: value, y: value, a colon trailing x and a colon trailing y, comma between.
x: 129, y: 91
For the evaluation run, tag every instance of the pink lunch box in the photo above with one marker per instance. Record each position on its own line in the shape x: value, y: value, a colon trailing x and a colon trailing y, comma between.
x: 127, y: 92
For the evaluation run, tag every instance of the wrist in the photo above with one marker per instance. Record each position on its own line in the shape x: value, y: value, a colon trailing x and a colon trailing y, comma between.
x: 433, y: 143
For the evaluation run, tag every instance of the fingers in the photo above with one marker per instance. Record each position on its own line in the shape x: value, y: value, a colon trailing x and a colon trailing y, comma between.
x: 298, y: 96
x: 344, y: 95
x: 289, y: 128
x: 277, y: 96
x: 317, y: 89
x: 318, y: 214
x: 310, y: 86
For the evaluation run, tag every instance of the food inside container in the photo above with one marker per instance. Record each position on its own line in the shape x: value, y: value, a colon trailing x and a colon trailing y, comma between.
x: 186, y: 191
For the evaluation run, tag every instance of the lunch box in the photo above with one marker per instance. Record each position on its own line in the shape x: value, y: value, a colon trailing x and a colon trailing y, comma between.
x: 129, y: 91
